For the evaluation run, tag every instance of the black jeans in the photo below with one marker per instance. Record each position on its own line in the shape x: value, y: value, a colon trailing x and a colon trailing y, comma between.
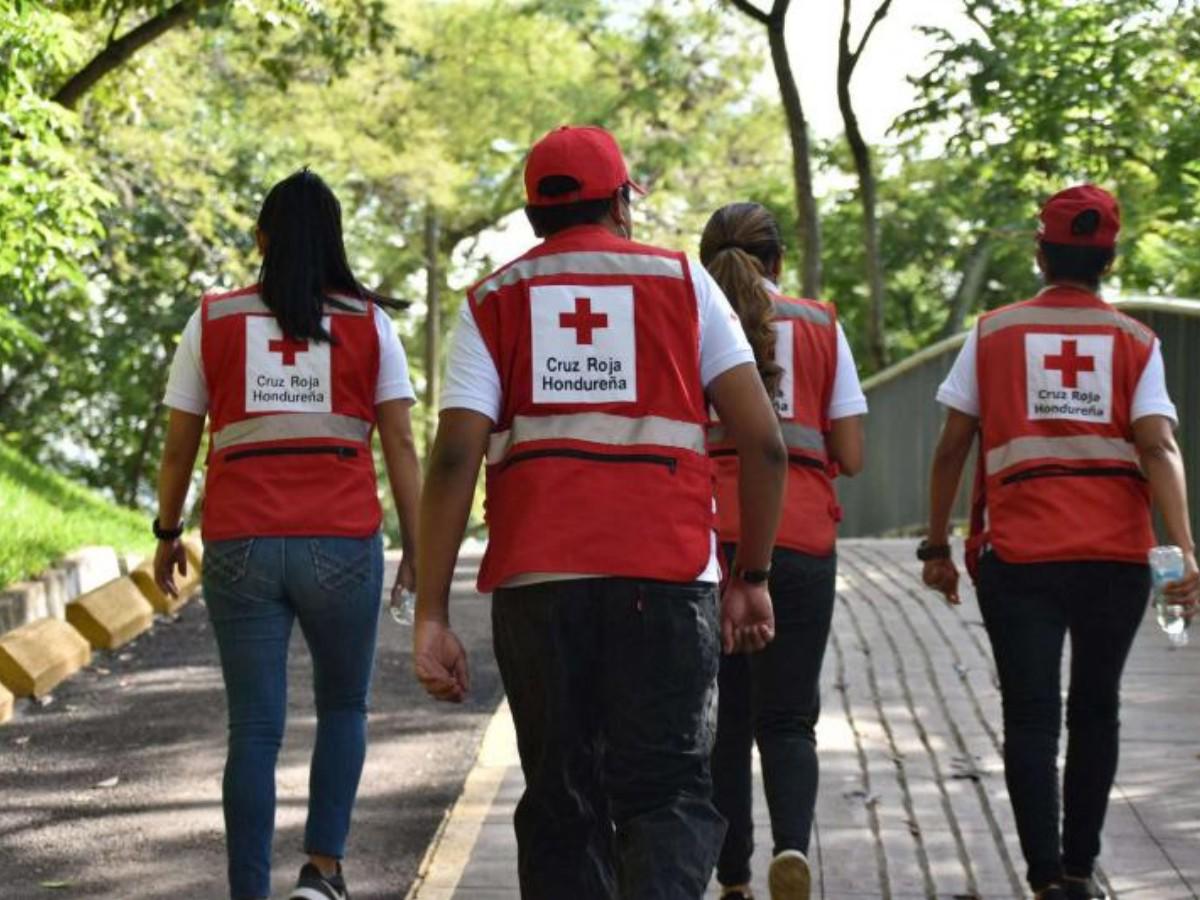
x: 774, y: 697
x: 611, y: 686
x: 1028, y: 609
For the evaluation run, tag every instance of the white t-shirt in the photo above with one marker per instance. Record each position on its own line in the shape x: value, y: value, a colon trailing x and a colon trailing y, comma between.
x: 847, y: 398
x: 473, y: 383
x: 960, y: 390
x: 187, y: 389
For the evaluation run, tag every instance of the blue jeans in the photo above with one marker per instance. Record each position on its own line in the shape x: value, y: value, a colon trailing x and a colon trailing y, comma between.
x: 254, y: 588
x: 773, y: 697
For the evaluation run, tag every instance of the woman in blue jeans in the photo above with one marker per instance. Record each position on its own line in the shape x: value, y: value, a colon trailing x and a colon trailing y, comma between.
x: 294, y: 374
x: 773, y: 696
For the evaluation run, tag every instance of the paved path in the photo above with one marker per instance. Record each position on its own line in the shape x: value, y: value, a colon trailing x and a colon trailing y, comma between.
x: 152, y: 716
x: 913, y: 803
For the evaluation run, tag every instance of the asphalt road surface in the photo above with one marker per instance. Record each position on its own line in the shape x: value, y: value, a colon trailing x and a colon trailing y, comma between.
x: 113, y: 788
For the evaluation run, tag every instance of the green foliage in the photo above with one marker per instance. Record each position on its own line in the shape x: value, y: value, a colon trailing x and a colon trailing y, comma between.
x: 43, y: 517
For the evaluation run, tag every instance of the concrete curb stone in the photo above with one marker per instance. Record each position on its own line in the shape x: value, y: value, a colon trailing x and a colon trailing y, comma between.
x: 47, y: 595
x: 111, y: 615
x: 37, y: 656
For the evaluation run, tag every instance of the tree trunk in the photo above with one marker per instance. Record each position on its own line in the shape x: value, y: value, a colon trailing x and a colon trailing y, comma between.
x: 433, y: 326
x: 966, y: 295
x: 137, y: 467
x: 867, y: 192
x: 118, y: 51
x: 808, y: 225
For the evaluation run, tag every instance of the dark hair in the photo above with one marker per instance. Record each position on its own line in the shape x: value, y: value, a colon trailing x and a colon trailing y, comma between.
x: 740, y: 245
x: 548, y: 220
x: 305, y: 258
x: 1067, y: 262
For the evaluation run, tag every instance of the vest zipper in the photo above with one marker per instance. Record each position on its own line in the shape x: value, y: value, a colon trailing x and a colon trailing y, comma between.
x: 652, y: 458
x: 1053, y: 470
x: 340, y: 452
x: 798, y: 459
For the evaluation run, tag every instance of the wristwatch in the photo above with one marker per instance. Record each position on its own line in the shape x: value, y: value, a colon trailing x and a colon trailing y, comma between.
x: 167, y: 534
x: 927, y: 551
x: 753, y: 576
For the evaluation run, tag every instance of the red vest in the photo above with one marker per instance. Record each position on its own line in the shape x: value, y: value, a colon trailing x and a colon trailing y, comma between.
x: 291, y: 422
x: 1060, y: 476
x: 597, y: 464
x: 806, y: 350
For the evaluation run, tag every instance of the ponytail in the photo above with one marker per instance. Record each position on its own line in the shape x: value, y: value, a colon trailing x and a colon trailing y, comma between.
x: 739, y: 245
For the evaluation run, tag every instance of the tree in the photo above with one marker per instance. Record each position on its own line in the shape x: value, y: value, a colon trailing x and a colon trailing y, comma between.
x: 848, y: 59
x: 808, y: 224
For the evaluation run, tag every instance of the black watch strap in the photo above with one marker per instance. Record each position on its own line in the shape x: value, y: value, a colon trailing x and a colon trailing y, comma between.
x: 927, y: 551
x: 754, y: 576
x: 167, y: 534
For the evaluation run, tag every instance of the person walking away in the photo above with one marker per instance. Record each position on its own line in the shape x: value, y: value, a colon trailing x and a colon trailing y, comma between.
x: 773, y: 697
x: 1069, y: 400
x: 580, y: 372
x: 294, y: 374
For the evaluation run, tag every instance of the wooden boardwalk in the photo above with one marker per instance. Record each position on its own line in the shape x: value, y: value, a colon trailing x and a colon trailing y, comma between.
x: 912, y: 802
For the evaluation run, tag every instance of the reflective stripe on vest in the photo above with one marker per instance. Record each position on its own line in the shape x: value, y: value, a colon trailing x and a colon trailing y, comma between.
x: 1079, y: 446
x: 292, y: 426
x: 597, y: 428
x: 785, y: 310
x: 581, y: 263
x: 795, y: 436
x: 252, y: 303
x: 1061, y: 315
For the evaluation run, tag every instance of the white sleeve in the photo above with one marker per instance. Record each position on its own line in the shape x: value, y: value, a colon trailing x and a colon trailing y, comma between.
x: 960, y: 390
x: 393, y: 382
x: 472, y: 381
x: 847, y: 398
x: 723, y: 343
x: 1150, y: 398
x: 187, y: 391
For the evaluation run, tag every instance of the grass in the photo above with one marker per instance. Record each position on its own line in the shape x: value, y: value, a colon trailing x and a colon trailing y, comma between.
x: 44, y: 516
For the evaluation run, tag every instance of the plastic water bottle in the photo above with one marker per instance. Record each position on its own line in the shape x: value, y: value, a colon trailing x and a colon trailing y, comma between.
x: 1166, y: 566
x: 403, y: 605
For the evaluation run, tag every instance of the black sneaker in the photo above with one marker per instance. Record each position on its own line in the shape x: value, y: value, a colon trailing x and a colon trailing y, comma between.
x: 312, y: 885
x: 736, y: 894
x: 1053, y: 892
x: 1079, y: 889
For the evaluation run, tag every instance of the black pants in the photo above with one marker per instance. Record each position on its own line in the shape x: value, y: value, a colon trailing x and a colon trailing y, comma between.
x: 1028, y: 609
x: 611, y: 686
x: 774, y: 697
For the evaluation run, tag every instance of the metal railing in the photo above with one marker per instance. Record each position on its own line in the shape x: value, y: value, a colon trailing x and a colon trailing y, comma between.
x: 891, y: 496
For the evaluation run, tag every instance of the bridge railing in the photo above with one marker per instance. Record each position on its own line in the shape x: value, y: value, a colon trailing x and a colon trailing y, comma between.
x: 891, y: 496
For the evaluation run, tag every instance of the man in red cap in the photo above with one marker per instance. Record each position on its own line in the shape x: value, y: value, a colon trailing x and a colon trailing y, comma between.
x: 1076, y: 436
x: 581, y: 374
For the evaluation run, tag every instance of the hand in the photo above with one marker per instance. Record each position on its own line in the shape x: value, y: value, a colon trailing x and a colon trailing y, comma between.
x: 440, y: 661
x: 406, y: 578
x: 942, y: 575
x: 168, y: 556
x: 1186, y: 591
x: 747, y: 617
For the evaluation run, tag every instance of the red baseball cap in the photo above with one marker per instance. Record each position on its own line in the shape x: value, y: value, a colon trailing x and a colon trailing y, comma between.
x: 586, y: 153
x: 1059, y: 221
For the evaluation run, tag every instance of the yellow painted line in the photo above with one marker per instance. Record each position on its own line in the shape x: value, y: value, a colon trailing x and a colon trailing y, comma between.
x: 450, y: 850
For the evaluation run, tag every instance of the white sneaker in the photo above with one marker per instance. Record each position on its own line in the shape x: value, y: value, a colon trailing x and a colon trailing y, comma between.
x: 789, y: 877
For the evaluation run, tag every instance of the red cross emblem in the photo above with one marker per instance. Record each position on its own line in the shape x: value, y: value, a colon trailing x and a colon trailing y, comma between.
x: 583, y: 320
x: 1070, y: 363
x: 288, y: 348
